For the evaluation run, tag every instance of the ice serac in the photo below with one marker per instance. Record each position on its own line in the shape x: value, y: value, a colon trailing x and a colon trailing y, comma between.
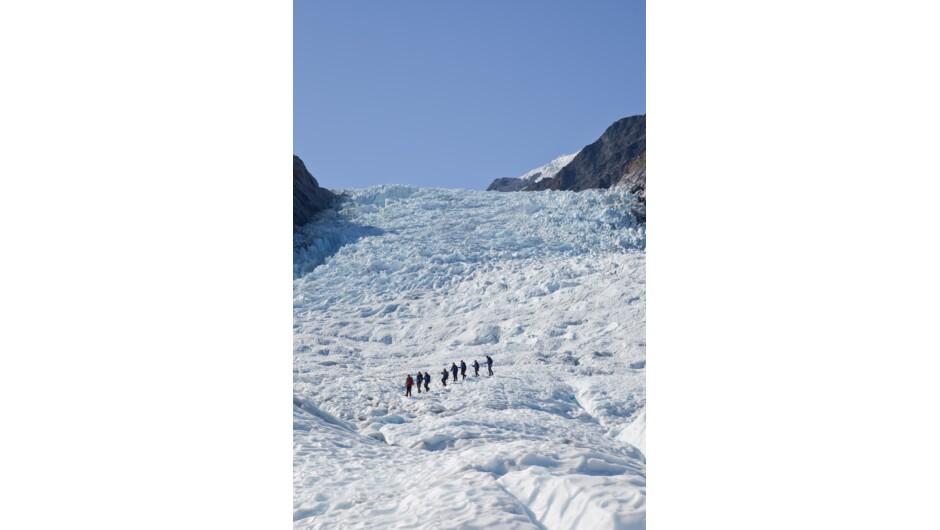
x: 309, y: 198
x: 617, y: 158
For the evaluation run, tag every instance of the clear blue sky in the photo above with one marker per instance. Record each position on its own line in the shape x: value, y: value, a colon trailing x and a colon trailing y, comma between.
x: 453, y: 94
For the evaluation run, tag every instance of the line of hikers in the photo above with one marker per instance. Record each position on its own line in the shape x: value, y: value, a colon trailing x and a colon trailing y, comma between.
x: 425, y: 378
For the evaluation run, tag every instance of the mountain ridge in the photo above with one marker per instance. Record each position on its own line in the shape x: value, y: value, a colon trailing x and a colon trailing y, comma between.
x: 617, y: 158
x: 538, y: 174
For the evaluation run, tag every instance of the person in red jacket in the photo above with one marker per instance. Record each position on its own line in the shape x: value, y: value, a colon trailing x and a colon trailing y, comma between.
x: 408, y: 384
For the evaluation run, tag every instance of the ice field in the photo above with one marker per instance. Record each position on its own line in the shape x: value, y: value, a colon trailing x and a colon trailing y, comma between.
x: 397, y: 279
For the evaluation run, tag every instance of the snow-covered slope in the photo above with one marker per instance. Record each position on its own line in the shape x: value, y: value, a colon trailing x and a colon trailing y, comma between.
x: 538, y: 174
x: 550, y: 169
x: 551, y: 285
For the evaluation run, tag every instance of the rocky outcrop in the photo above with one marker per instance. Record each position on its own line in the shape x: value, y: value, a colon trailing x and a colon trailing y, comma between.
x: 617, y: 158
x: 508, y: 184
x: 309, y: 198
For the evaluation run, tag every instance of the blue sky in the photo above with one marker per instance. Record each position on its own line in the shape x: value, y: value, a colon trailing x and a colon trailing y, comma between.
x: 453, y: 94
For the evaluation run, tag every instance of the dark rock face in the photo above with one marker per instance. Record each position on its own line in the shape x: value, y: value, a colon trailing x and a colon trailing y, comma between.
x: 508, y: 184
x: 617, y: 158
x: 309, y: 198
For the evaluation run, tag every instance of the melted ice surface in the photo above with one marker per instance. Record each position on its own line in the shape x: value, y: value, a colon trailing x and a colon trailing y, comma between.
x: 550, y: 284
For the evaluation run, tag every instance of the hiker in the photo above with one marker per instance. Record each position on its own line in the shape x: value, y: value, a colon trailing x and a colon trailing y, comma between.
x: 463, y: 369
x: 476, y: 368
x: 408, y: 383
x: 419, y: 378
x: 453, y: 368
x: 444, y: 379
x: 489, y: 364
x: 427, y: 382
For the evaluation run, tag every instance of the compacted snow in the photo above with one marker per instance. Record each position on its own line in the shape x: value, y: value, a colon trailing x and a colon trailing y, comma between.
x: 550, y: 284
x: 550, y: 169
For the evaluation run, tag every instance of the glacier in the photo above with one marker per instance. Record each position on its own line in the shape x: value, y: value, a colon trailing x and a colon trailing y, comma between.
x: 551, y: 285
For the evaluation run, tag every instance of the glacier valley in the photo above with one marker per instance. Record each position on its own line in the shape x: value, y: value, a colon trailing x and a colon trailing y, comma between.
x: 551, y: 285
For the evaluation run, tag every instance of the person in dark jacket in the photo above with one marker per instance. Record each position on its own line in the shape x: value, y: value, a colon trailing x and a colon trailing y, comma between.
x: 427, y: 382
x: 418, y: 379
x: 489, y: 364
x: 444, y: 379
x: 408, y: 383
x: 454, y: 369
x: 476, y: 368
x: 463, y: 369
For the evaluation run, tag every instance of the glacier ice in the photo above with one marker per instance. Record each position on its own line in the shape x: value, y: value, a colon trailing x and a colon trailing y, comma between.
x: 397, y: 279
